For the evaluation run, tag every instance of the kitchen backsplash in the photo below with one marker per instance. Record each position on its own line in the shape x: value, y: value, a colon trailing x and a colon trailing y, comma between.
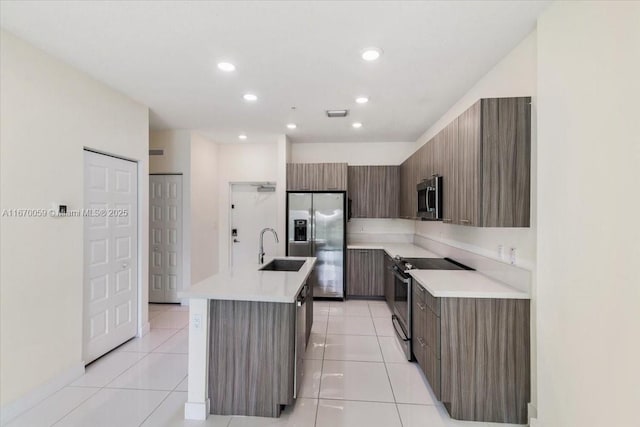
x: 361, y: 230
x: 515, y: 276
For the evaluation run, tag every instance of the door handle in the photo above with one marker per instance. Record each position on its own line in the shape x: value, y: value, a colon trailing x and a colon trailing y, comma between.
x: 125, y: 265
x: 155, y: 248
x: 236, y: 241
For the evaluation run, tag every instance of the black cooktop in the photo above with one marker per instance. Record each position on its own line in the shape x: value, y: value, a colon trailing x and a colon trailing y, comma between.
x: 433, y: 264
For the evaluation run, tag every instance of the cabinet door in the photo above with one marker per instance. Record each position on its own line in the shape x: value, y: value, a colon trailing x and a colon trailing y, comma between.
x: 404, y: 189
x: 450, y: 181
x: 386, y: 181
x: 374, y: 191
x: 334, y: 176
x: 364, y: 273
x: 468, y: 166
x: 357, y: 271
x: 299, y: 176
x: 314, y: 173
x: 506, y: 162
x: 388, y: 281
x: 309, y: 313
x: 408, y: 180
x: 377, y: 289
x: 358, y: 190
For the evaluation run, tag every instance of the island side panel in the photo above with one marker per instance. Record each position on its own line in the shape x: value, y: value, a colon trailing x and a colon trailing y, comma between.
x: 486, y: 370
x: 197, y: 405
x: 251, y: 358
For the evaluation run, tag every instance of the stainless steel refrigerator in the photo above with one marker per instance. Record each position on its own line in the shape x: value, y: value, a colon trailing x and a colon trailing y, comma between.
x: 316, y: 226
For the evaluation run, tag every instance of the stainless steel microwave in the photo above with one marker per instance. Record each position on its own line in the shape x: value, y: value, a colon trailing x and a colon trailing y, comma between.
x: 430, y: 199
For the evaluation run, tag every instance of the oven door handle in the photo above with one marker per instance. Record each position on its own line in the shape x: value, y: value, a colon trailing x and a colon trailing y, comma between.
x: 398, y: 327
x: 406, y: 281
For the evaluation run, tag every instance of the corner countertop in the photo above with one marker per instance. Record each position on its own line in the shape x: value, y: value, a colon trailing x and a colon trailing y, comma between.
x: 464, y: 284
x: 250, y: 284
x: 404, y: 250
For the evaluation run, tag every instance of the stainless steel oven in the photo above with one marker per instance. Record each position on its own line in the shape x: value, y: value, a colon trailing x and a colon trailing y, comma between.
x: 402, y: 285
x: 401, y: 317
x: 430, y: 198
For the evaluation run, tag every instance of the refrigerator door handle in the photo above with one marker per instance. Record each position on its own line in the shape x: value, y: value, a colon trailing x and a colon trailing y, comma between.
x: 312, y: 213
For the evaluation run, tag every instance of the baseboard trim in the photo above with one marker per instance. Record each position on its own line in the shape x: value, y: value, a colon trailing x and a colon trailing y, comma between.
x: 37, y: 395
x: 145, y: 329
x: 532, y: 412
x: 196, y: 410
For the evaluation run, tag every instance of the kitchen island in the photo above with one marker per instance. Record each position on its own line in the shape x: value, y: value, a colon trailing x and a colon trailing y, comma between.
x: 248, y: 330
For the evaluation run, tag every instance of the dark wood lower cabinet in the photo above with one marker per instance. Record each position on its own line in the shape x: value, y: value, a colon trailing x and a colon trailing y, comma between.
x: 251, y: 361
x: 252, y: 355
x: 475, y: 355
x: 309, y: 313
x: 389, y: 281
x: 365, y: 273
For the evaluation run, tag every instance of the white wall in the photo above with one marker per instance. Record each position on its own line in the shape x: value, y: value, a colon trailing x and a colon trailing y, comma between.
x: 176, y: 159
x: 588, y: 277
x: 196, y: 157
x: 354, y: 153
x: 204, y: 207
x: 515, y: 75
x: 248, y: 162
x: 49, y: 112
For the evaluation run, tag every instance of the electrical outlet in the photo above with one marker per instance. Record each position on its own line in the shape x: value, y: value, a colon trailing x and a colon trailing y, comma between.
x: 512, y: 256
x: 501, y: 252
x: 197, y: 321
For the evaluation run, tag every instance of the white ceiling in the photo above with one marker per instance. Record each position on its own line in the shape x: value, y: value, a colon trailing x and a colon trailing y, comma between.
x: 302, y: 54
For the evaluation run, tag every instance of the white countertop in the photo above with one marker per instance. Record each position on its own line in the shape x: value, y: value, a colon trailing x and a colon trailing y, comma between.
x: 250, y: 284
x: 404, y: 250
x: 464, y: 284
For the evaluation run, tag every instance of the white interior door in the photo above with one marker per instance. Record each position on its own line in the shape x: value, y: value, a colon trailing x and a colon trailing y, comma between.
x: 251, y: 212
x: 110, y: 292
x: 165, y: 237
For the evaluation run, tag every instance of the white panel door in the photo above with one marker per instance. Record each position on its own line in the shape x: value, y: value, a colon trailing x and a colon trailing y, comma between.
x: 251, y: 212
x: 110, y: 291
x: 165, y: 237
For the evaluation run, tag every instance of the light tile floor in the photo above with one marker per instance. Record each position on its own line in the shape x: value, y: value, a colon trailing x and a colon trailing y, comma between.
x: 355, y: 375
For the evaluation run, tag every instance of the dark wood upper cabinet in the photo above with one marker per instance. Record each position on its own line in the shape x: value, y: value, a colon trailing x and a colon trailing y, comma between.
x: 446, y: 145
x: 317, y: 176
x: 374, y: 191
x: 409, y: 178
x: 484, y: 156
x: 335, y: 176
x: 468, y: 189
x: 506, y: 162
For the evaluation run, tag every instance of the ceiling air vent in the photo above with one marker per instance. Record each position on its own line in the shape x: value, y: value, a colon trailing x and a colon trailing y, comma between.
x: 337, y: 113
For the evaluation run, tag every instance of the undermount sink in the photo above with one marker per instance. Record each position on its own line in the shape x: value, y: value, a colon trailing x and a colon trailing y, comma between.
x: 284, y: 265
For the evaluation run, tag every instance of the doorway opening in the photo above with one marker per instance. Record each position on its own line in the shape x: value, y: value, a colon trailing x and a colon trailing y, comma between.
x: 254, y: 206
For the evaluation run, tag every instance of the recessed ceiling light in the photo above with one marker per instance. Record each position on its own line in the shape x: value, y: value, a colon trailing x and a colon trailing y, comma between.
x: 371, y: 53
x: 292, y: 126
x: 250, y: 97
x: 226, y: 66
x: 357, y: 125
x: 362, y: 100
x: 242, y: 136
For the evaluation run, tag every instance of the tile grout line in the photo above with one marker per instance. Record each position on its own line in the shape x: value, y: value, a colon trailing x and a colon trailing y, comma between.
x: 324, y: 349
x: 163, y: 400
x: 100, y: 388
x: 395, y: 401
x: 72, y: 409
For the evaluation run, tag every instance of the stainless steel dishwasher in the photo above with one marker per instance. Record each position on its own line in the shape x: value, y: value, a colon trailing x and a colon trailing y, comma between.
x: 301, y: 327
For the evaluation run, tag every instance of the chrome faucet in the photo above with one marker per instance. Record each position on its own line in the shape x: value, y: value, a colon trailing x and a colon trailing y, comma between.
x: 261, y: 250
